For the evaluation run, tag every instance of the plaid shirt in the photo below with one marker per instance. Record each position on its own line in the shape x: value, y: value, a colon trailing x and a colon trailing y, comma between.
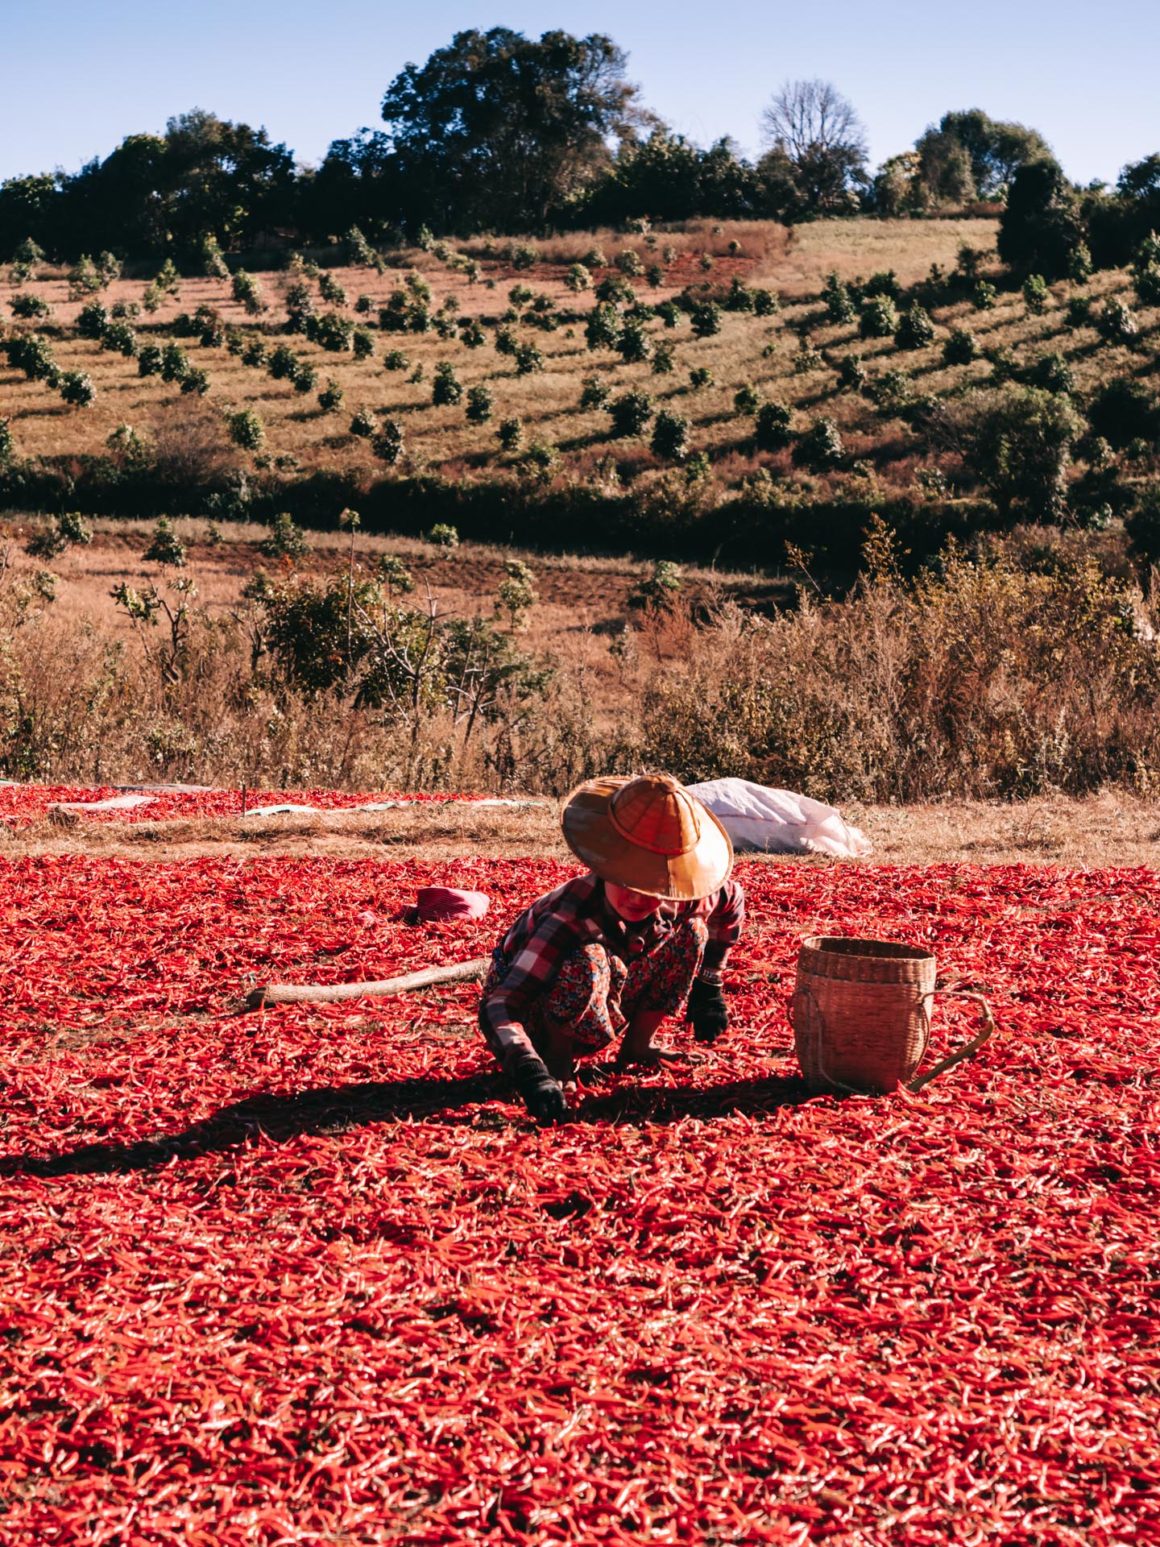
x: 530, y: 955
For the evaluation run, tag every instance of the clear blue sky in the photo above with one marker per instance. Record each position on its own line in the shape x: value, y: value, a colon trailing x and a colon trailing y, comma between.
x: 78, y: 75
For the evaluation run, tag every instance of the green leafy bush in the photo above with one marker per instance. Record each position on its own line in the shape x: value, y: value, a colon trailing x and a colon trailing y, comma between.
x: 149, y: 360
x: 195, y: 382
x: 30, y: 307
x: 523, y: 256
x: 1018, y: 444
x: 578, y: 278
x: 630, y: 413
x: 602, y: 331
x: 165, y: 547
x: 286, y: 540
x: 700, y: 376
x: 633, y: 344
x: 879, y: 318
x: 50, y: 541
x: 255, y: 352
x: 175, y: 364
x: 670, y: 436
x: 363, y: 344
x: 915, y: 329
x: 443, y: 535
x: 479, y: 405
x: 305, y: 378
x: 282, y: 364
x: 528, y: 359
x: 838, y: 300
x: 119, y: 338
x: 1124, y: 410
x: 388, y: 444
x: 395, y: 360
x: 330, y: 331
x: 246, y: 290
x: 446, y: 387
x: 1078, y: 313
x: 1036, y: 294
x: 820, y: 448
x: 1115, y: 322
x: 628, y: 262
x: 960, y: 347
x: 983, y: 295
x: 659, y: 591
x: 851, y: 373
x: 747, y: 399
x: 246, y: 430
x: 1052, y: 373
x: 772, y: 427
x: 510, y: 434
x: 330, y: 399
x: 705, y: 319
x: 363, y: 424
x: 594, y: 393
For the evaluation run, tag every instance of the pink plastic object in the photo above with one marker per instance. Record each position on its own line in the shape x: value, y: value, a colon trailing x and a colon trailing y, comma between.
x: 447, y: 902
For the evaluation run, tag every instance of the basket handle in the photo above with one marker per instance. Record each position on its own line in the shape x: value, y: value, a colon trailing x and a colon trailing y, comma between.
x: 983, y: 1035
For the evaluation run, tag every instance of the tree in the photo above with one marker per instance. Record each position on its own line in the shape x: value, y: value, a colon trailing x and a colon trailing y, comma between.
x: 1041, y: 226
x: 971, y: 156
x: 817, y: 149
x: 501, y: 131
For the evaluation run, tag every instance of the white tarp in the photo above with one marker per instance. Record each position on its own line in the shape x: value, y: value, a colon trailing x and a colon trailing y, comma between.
x: 111, y: 803
x: 759, y: 819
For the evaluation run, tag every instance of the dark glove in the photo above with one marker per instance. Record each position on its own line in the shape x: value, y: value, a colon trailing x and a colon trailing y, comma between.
x: 707, y: 1010
x: 542, y: 1095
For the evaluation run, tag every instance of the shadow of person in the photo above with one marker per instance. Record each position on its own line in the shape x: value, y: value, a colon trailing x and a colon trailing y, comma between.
x: 336, y: 1109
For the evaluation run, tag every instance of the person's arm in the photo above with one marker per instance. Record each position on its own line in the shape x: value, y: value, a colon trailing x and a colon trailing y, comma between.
x: 726, y: 918
x: 529, y: 974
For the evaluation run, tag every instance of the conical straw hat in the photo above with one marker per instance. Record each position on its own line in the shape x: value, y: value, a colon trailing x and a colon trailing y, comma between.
x: 648, y: 833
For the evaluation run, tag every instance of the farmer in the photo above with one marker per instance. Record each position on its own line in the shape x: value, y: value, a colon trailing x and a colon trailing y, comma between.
x: 648, y: 926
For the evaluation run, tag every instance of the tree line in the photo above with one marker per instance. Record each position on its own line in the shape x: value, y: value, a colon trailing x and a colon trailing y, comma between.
x: 501, y: 132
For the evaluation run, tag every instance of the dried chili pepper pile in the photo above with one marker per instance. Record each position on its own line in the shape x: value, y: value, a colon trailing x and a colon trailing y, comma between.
x: 313, y: 1278
x: 21, y: 804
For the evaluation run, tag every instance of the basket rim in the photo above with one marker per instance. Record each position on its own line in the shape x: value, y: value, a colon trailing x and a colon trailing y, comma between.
x: 866, y: 948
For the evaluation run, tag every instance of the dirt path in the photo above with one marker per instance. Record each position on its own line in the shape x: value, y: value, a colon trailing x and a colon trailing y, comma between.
x: 1104, y: 830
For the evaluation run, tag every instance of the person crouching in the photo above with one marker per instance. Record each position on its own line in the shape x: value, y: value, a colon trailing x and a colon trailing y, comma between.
x: 616, y: 950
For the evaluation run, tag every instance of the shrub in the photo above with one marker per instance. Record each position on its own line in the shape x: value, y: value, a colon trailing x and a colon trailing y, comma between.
x: 479, y: 405
x: 255, y: 352
x: 195, y: 382
x: 165, y: 547
x: 51, y: 541
x: 443, y: 535
x: 506, y: 342
x: 331, y: 331
x: 283, y: 363
x: 746, y: 400
x: 602, y: 330
x: 363, y: 343
x: 510, y: 434
x: 120, y: 339
x: 1078, y: 313
x: 388, y: 444
x: 961, y: 347
x: 983, y: 295
x: 84, y: 278
x: 628, y: 262
x: 820, y: 448
x: 305, y: 377
x: 739, y: 297
x: 1018, y: 444
x: 359, y: 251
x: 772, y: 427
x: 879, y: 318
x: 1147, y: 285
x: 363, y: 423
x: 446, y: 387
x: 517, y: 593
x: 633, y: 343
x: 1115, y: 322
x: 615, y: 291
x: 670, y: 436
x: 471, y: 333
x: 394, y: 574
x: 669, y: 313
x: 1036, y: 294
x: 700, y: 376
x: 578, y: 278
x: 286, y: 540
x: 1123, y: 410
x: 92, y: 320
x: 528, y: 360
x: 209, y: 327
x: 246, y: 430
x: 630, y: 413
x: 659, y: 591
x: 1052, y: 373
x: 149, y: 361
x: 594, y: 259
x: 523, y: 256
x: 1004, y: 365
x: 77, y: 389
x: 330, y: 290
x: 1079, y: 264
x: 29, y: 307
x: 915, y: 330
x: 839, y: 302
x: 519, y: 296
x: 299, y: 307
x: 248, y: 293
x: 663, y: 362
x: 806, y: 357
x: 765, y: 302
x: 594, y: 393
x: 395, y: 360
x: 330, y: 399
x: 705, y: 319
x: 7, y: 444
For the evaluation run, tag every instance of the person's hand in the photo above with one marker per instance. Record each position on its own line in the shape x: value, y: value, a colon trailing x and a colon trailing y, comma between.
x: 707, y: 1010
x: 542, y: 1095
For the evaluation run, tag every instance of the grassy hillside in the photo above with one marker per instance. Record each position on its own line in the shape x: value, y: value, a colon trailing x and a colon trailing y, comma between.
x: 791, y: 357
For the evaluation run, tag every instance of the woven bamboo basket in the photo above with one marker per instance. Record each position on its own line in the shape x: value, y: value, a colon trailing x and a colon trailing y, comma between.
x: 861, y: 1014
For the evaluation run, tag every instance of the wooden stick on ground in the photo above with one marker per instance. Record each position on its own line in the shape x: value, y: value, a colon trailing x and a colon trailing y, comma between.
x: 326, y: 993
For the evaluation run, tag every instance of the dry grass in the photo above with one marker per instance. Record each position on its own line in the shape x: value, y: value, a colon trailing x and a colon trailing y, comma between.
x: 1101, y: 831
